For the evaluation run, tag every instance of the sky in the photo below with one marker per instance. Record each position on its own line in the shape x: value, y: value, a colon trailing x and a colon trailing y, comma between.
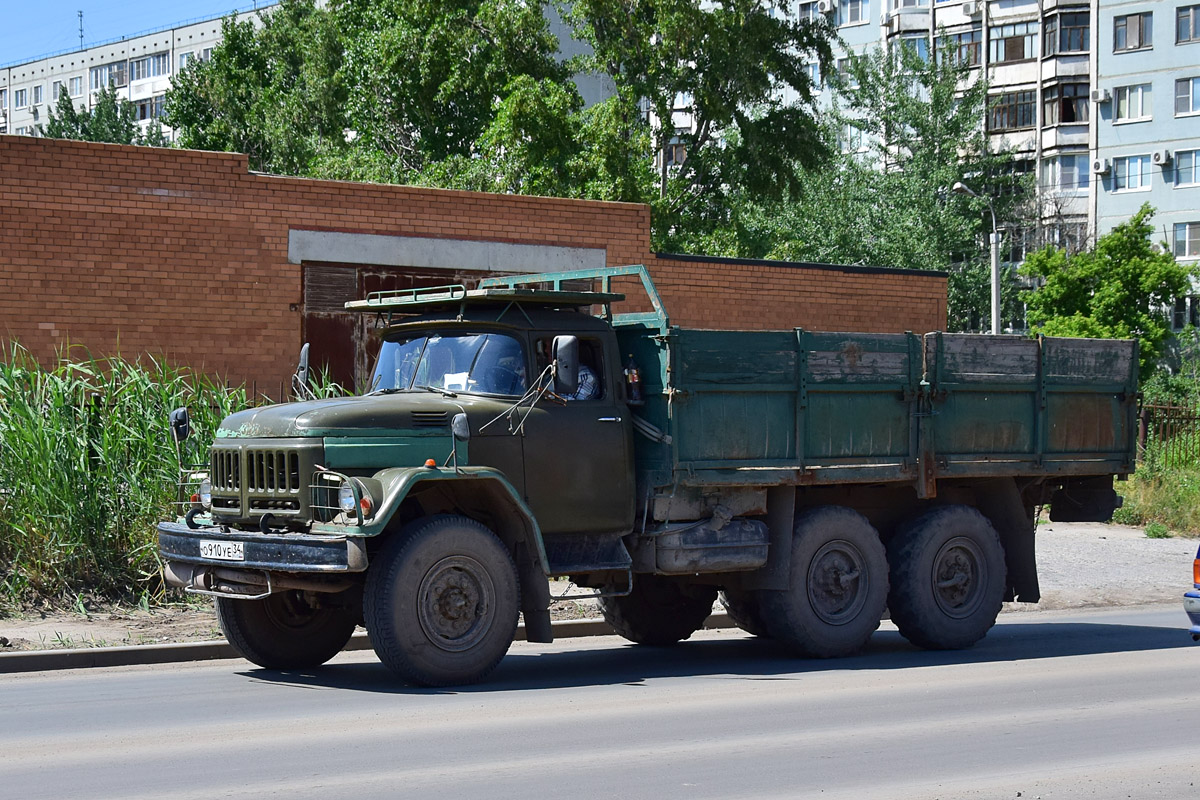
x: 33, y: 28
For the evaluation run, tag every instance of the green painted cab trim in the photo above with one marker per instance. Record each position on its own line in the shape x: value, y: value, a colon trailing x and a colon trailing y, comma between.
x: 381, y: 452
x: 398, y: 482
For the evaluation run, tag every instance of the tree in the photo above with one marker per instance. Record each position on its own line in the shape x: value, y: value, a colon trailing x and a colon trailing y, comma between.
x: 1121, y: 288
x: 713, y: 77
x: 112, y: 119
x: 271, y: 91
x: 902, y: 131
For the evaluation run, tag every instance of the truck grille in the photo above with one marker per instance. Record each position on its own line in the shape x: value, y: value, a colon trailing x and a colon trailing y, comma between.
x: 272, y: 471
x: 250, y: 480
x: 429, y: 419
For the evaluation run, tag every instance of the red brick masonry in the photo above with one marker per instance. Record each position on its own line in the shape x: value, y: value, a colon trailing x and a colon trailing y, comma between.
x: 185, y: 254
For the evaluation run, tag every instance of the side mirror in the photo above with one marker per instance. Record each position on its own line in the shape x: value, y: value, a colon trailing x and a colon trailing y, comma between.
x: 566, y: 364
x: 460, y: 428
x: 181, y: 424
x: 300, y: 379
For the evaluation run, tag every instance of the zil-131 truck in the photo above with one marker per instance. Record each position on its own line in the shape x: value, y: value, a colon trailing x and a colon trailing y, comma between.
x: 522, y: 430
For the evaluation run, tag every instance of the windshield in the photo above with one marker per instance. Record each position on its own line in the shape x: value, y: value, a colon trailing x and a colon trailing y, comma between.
x: 487, y: 363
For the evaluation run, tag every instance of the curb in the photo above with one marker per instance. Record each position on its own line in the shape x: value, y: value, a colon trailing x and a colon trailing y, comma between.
x: 137, y: 655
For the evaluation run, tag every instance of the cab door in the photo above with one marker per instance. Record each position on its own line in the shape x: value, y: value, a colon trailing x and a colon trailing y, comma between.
x: 579, y: 455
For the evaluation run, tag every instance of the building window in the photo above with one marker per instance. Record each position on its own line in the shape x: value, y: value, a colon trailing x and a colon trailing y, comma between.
x: 1131, y: 173
x: 845, y: 73
x: 1187, y: 167
x: 1133, y: 32
x: 21, y: 131
x: 150, y: 107
x: 814, y: 75
x: 1187, y: 96
x: 1068, y: 33
x: 153, y: 66
x: 1012, y: 111
x: 20, y: 98
x: 1132, y: 103
x: 850, y: 12
x: 1187, y: 24
x: 1066, y: 173
x: 114, y: 75
x: 184, y: 58
x: 75, y: 86
x: 206, y: 54
x: 918, y: 43
x: 807, y: 11
x: 3, y: 99
x: 56, y: 89
x: 1187, y: 239
x: 850, y: 139
x: 37, y: 95
x: 1065, y: 104
x: 962, y: 48
x: 1008, y: 43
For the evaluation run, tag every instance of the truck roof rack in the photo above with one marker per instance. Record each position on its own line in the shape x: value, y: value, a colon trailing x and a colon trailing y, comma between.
x: 524, y: 290
x: 414, y: 300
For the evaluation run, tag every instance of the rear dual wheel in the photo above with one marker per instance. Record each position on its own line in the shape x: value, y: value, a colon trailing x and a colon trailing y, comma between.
x: 659, y: 610
x: 839, y: 585
x: 947, y: 578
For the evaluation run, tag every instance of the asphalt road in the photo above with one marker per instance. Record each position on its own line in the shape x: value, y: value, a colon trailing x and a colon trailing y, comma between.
x: 1061, y: 704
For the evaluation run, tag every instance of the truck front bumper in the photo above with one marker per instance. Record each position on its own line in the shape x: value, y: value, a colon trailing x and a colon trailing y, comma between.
x: 1191, y: 604
x: 273, y: 552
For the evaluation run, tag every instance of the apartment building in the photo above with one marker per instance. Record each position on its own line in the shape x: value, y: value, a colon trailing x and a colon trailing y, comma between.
x: 138, y: 67
x: 1147, y: 144
x: 1099, y: 100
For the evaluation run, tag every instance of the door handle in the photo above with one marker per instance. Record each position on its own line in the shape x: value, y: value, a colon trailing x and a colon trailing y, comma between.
x: 609, y: 419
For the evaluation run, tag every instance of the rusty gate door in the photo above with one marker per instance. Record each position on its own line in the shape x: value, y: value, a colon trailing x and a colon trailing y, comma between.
x: 344, y: 343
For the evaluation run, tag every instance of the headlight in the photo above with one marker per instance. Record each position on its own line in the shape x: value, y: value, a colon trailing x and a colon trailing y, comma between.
x: 206, y: 493
x: 346, y: 499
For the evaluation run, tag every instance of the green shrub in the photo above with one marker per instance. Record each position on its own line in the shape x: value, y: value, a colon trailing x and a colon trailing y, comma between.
x: 87, y: 468
x: 1156, y: 530
x: 1162, y: 491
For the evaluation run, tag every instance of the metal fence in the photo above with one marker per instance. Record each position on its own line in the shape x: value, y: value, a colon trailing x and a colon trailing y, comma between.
x: 1173, y: 429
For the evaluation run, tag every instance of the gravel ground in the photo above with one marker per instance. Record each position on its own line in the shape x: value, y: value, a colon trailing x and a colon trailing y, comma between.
x: 1080, y: 564
x: 1088, y: 564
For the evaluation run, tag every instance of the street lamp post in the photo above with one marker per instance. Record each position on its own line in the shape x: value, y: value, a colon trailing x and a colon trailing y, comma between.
x: 962, y: 188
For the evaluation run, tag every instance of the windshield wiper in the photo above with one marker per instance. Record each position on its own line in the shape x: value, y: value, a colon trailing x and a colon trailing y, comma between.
x: 435, y: 389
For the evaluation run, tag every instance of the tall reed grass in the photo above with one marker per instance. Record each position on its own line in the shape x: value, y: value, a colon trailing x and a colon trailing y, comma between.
x: 87, y: 467
x: 1164, y: 490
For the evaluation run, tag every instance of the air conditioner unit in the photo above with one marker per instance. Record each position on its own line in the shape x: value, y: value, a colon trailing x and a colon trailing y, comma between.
x: 1161, y: 157
x: 1100, y: 166
x: 1101, y: 96
x: 826, y: 6
x: 973, y: 8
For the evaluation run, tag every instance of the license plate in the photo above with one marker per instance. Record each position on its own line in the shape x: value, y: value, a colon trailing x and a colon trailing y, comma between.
x: 222, y: 551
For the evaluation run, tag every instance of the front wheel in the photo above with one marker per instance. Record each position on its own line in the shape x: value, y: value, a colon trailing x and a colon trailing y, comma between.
x: 948, y: 578
x: 287, y: 630
x: 442, y: 601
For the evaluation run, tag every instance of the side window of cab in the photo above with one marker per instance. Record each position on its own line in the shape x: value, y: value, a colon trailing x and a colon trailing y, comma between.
x: 591, y: 367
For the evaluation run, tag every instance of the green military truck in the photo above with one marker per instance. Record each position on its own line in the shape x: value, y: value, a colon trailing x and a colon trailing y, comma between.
x: 523, y: 430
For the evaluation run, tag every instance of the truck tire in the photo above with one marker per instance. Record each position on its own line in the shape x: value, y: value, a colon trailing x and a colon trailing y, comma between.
x: 745, y: 609
x: 441, y: 602
x: 839, y: 585
x: 659, y: 611
x: 947, y: 578
x: 284, y: 630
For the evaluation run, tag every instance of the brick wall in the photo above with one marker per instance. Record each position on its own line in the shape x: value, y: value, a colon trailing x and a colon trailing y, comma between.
x: 185, y: 254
